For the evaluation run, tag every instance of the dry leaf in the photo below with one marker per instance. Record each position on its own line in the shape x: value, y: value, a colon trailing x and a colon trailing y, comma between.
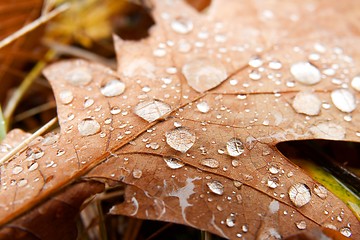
x: 191, y: 119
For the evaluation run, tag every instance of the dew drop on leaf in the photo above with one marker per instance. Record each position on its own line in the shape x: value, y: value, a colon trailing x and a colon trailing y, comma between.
x: 79, y: 77
x: 88, y: 127
x: 22, y: 182
x: 33, y: 166
x: 344, y: 100
x: 299, y: 194
x: 216, y: 187
x: 320, y: 191
x: 345, y: 231
x: 255, y: 62
x: 305, y: 73
x: 173, y: 163
x: 137, y: 173
x: 115, y: 110
x: 230, y: 220
x: 152, y: 110
x: 301, y: 225
x: 180, y: 139
x: 355, y: 83
x: 34, y: 153
x: 203, y: 107
x: 210, y: 162
x: 113, y: 88
x: 88, y: 102
x: 203, y: 74
x: 307, y: 103
x: 275, y: 65
x: 273, y: 182
x: 234, y: 147
x: 16, y: 170
x: 66, y: 96
x: 182, y: 25
x: 255, y: 75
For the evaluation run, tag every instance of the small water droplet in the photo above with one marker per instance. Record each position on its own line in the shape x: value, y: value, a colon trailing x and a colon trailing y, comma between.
x: 355, y: 83
x: 66, y: 96
x: 320, y: 191
x: 182, y: 25
x: 33, y: 166
x: 299, y: 194
x: 137, y: 173
x: 115, y: 110
x: 159, y: 52
x: 230, y: 220
x: 60, y: 152
x: 210, y: 162
x: 216, y: 187
x: 203, y: 107
x: 234, y: 147
x: 273, y: 170
x: 307, y: 103
x: 345, y: 231
x: 152, y: 110
x: 255, y: 62
x: 344, y: 100
x: 88, y: 127
x: 180, y: 139
x: 273, y: 182
x: 50, y: 139
x: 255, y: 75
x: 203, y: 74
x: 79, y: 77
x: 305, y: 73
x: 88, y: 102
x: 301, y: 225
x: 22, y: 182
x: 113, y: 88
x: 173, y: 163
x: 16, y: 170
x: 275, y: 65
x: 245, y: 228
x: 34, y: 153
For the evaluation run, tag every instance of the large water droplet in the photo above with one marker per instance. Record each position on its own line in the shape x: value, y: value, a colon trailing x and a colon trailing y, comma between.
x: 182, y: 25
x: 344, y: 100
x: 16, y: 170
x: 88, y: 127
x: 79, y: 77
x: 230, y: 220
x: 203, y: 107
x: 273, y: 182
x: 301, y: 225
x: 307, y: 103
x: 345, y: 231
x: 355, y: 83
x: 210, y: 162
x: 305, y: 73
x: 234, y: 147
x: 113, y: 88
x: 173, y: 163
x: 66, y: 96
x: 299, y: 194
x: 320, y: 191
x: 88, y: 102
x: 203, y: 74
x: 152, y: 110
x: 255, y: 62
x: 216, y: 187
x: 180, y: 139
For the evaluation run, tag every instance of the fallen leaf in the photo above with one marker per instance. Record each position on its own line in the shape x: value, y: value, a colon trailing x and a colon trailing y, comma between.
x: 191, y: 119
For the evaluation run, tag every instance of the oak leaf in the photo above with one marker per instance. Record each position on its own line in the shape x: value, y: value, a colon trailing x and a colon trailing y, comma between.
x: 191, y: 118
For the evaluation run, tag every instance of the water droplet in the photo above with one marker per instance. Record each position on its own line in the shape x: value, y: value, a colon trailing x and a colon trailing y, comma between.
x: 345, y: 231
x: 113, y: 88
x: 22, y: 182
x: 88, y: 102
x: 307, y: 103
x: 299, y: 194
x: 320, y: 191
x: 203, y: 107
x: 88, y: 127
x: 210, y: 162
x: 66, y: 96
x: 79, y: 77
x: 234, y: 147
x: 355, y: 83
x: 137, y: 173
x: 305, y: 73
x: 173, y: 163
x: 16, y: 170
x: 33, y: 166
x: 273, y: 170
x: 159, y: 52
x: 275, y: 65
x: 328, y: 130
x: 60, y: 152
x: 182, y: 25
x: 255, y: 62
x: 216, y: 187
x: 115, y: 110
x: 230, y: 220
x: 344, y: 100
x: 50, y: 139
x: 255, y: 75
x: 152, y: 110
x: 180, y: 139
x: 301, y: 225
x: 273, y: 182
x: 245, y: 228
x: 34, y: 153
x: 203, y: 74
